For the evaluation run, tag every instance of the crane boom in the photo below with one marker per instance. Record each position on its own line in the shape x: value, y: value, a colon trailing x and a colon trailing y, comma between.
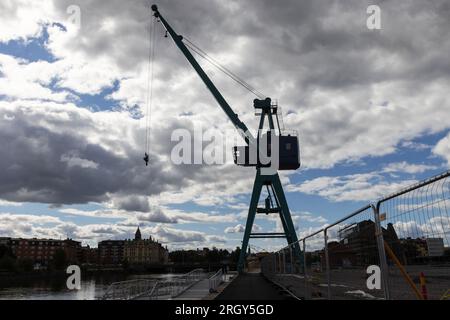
x: 178, y: 39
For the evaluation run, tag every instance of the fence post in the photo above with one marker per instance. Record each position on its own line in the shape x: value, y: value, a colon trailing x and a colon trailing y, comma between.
x: 274, y: 264
x: 380, y: 243
x: 327, y: 263
x: 304, y: 269
x: 280, y: 257
x: 280, y: 263
x: 290, y: 254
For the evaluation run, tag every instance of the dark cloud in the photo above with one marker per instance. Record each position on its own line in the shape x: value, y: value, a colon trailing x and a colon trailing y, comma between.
x: 51, y: 159
x: 38, y: 166
x: 157, y: 216
x: 133, y: 203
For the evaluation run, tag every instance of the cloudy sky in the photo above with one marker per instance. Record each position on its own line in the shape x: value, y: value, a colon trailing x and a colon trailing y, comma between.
x: 371, y: 107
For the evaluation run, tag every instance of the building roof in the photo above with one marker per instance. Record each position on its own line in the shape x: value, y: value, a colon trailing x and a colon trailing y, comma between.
x: 137, y: 235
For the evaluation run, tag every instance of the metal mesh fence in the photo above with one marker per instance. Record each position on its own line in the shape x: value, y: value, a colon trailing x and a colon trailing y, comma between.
x: 315, y: 277
x: 290, y: 275
x: 283, y: 268
x: 352, y: 248
x: 405, y: 236
x: 416, y: 227
x: 268, y: 266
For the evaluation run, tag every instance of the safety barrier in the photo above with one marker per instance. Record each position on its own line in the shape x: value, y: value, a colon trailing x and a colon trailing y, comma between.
x: 153, y: 289
x: 215, y: 281
x: 403, y: 237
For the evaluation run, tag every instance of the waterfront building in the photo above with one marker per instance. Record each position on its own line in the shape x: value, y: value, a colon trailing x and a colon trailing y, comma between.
x: 111, y: 251
x: 42, y: 251
x: 88, y: 255
x: 145, y: 251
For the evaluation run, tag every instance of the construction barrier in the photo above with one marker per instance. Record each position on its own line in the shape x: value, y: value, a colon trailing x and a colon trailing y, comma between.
x: 397, y: 248
x: 417, y: 224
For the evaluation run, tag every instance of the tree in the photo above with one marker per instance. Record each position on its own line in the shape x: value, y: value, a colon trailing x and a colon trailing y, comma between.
x: 26, y: 265
x: 7, y: 259
x: 59, y: 259
x: 6, y: 251
x: 235, y: 255
x: 125, y: 264
x: 8, y: 263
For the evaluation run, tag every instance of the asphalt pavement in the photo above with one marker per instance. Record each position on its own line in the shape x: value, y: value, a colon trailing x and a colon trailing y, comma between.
x: 252, y: 286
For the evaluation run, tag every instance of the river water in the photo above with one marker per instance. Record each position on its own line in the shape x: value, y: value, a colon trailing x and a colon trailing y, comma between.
x: 55, y: 289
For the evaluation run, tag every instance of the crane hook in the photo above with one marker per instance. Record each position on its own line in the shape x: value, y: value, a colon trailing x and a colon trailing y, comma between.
x: 146, y: 158
x: 165, y: 35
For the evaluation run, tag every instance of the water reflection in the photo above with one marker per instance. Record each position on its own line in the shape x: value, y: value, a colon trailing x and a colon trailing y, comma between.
x: 55, y: 289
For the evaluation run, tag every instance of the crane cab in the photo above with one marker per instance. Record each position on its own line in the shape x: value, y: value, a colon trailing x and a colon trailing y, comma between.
x: 288, y: 153
x: 286, y: 141
x: 289, y: 150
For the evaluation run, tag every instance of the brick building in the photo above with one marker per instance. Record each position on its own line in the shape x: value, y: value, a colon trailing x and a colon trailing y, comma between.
x: 110, y: 251
x: 88, y: 255
x: 42, y: 251
x: 357, y: 245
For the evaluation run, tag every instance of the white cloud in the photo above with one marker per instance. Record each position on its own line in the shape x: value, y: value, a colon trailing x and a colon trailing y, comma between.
x: 156, y: 214
x: 415, y: 145
x: 22, y: 80
x: 236, y: 229
x: 408, y: 167
x: 309, y: 217
x: 73, y: 160
x: 442, y: 148
x: 110, y: 214
x: 29, y: 225
x: 239, y: 228
x: 435, y: 227
x: 171, y: 235
x: 35, y: 219
x: 22, y: 19
x: 26, y: 226
x: 5, y: 203
x: 356, y: 187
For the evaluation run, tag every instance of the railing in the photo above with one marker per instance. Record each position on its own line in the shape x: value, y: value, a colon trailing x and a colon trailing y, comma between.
x: 215, y: 281
x: 126, y: 290
x: 405, y: 235
x: 153, y: 289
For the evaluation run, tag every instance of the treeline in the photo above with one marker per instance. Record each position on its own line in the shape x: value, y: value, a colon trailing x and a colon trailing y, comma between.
x: 10, y: 263
x: 205, y: 256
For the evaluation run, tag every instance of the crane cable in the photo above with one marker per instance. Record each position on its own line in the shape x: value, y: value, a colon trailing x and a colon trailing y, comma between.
x: 225, y: 70
x: 149, y: 98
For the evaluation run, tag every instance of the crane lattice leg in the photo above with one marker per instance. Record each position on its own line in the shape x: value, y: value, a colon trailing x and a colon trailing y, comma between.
x: 284, y: 213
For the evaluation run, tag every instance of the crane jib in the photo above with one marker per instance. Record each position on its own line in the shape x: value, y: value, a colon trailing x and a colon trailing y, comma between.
x: 243, y: 130
x: 287, y: 144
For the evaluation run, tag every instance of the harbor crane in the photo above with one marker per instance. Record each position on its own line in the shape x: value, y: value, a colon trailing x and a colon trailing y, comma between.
x: 281, y: 147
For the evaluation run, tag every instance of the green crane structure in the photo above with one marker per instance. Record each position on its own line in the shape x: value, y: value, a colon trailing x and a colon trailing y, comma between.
x: 284, y: 147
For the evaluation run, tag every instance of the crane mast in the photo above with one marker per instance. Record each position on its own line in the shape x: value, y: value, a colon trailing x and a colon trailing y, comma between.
x: 288, y: 160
